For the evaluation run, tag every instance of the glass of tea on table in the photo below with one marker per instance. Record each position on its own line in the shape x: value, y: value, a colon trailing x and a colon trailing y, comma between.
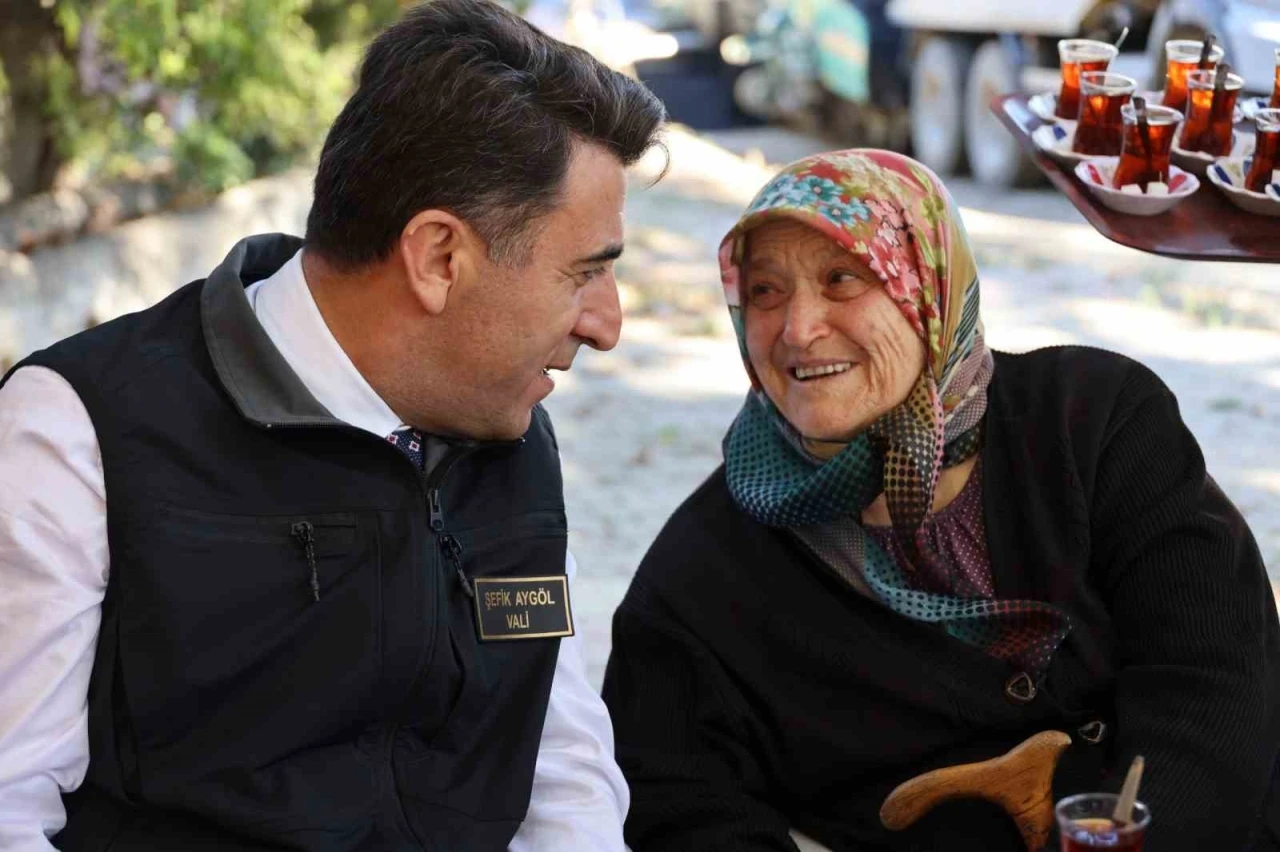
x: 1275, y: 91
x: 1210, y: 112
x: 1077, y: 56
x: 1144, y: 152
x: 1184, y: 57
x: 1101, y: 128
x: 1085, y: 823
x: 1266, y: 153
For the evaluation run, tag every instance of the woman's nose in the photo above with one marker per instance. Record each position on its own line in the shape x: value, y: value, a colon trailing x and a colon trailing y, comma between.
x: 806, y: 319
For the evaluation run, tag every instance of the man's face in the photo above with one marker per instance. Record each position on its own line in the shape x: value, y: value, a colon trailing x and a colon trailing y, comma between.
x: 512, y: 325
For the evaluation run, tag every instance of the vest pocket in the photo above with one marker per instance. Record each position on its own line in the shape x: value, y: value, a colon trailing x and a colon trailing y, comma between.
x: 230, y: 661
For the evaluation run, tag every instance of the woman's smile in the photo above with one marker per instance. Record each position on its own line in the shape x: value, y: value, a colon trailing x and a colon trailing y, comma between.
x: 809, y: 373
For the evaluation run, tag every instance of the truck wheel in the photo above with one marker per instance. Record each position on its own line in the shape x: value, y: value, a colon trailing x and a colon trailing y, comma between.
x: 937, y: 102
x: 995, y: 157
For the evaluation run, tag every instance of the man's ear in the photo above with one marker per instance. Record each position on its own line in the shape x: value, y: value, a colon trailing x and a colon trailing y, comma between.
x: 433, y: 246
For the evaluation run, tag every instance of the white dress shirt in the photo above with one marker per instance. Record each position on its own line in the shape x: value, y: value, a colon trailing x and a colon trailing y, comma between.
x: 54, y: 563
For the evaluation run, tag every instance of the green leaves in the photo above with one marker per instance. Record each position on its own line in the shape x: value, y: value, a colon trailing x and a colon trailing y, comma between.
x: 225, y: 89
x: 210, y: 160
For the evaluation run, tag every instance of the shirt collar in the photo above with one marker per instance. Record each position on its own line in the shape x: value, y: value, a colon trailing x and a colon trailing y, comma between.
x: 288, y: 314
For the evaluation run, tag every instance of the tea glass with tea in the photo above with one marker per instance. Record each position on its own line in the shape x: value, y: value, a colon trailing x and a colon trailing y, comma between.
x: 1077, y: 56
x: 1100, y: 128
x: 1183, y: 56
x: 1210, y: 113
x: 1266, y: 153
x: 1144, y: 152
x: 1275, y: 91
x: 1085, y: 823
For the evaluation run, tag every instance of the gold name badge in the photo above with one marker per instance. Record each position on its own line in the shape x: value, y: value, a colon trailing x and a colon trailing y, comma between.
x: 522, y: 608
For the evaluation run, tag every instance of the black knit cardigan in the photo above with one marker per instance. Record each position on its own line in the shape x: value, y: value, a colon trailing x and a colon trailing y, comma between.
x: 751, y: 691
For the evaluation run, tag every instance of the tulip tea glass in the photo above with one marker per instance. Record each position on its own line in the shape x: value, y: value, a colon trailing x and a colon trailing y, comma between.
x: 1275, y: 91
x: 1210, y: 113
x: 1077, y: 56
x: 1100, y: 129
x: 1266, y: 153
x: 1144, y: 154
x: 1184, y: 57
x: 1085, y: 824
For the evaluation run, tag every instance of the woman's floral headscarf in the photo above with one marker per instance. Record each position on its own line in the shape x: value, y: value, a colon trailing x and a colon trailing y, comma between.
x: 896, y: 216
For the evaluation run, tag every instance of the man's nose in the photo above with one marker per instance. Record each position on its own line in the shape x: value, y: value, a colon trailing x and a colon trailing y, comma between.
x: 600, y: 323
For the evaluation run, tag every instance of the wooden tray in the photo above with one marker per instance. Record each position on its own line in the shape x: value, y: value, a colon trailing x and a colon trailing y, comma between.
x: 1203, y: 227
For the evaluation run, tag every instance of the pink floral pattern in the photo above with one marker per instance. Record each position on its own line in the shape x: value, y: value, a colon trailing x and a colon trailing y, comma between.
x: 896, y: 216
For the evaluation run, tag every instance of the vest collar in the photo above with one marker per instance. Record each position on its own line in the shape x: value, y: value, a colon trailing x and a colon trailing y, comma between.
x: 261, y: 384
x: 256, y: 376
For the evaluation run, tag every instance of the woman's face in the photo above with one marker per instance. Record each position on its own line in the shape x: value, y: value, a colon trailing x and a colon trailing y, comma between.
x: 830, y: 347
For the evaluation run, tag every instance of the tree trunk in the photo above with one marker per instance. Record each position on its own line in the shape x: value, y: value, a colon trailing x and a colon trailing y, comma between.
x: 29, y: 156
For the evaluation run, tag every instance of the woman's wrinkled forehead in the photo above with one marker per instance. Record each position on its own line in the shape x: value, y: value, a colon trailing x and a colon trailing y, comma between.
x: 787, y: 242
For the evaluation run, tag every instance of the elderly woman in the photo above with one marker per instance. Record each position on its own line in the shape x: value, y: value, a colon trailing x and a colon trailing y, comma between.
x: 920, y: 552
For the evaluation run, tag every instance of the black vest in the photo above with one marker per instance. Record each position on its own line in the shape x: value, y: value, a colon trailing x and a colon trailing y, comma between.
x: 240, y: 701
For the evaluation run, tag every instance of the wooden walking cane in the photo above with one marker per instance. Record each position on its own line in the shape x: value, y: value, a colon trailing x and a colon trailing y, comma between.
x: 1020, y: 781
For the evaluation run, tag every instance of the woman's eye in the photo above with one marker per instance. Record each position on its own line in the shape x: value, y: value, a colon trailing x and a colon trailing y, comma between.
x: 763, y: 295
x: 847, y: 282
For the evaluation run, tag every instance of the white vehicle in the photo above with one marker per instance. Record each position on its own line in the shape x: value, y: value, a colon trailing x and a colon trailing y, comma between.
x: 966, y: 52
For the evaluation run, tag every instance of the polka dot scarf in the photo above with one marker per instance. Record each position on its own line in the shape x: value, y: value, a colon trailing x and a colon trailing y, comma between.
x: 897, y: 217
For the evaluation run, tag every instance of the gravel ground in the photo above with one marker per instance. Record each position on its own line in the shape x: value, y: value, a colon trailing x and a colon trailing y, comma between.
x: 640, y: 427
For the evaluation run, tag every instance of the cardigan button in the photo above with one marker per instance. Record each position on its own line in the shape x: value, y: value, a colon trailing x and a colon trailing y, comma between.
x: 1093, y: 732
x: 1020, y: 688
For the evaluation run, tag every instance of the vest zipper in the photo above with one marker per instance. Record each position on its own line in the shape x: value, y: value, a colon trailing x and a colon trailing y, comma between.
x: 453, y: 550
x: 450, y: 548
x: 305, y: 534
x: 448, y: 544
x: 433, y: 506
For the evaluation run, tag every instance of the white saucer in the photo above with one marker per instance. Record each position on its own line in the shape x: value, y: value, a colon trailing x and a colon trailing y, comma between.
x: 1249, y: 106
x: 1096, y: 173
x: 1228, y: 174
x: 1198, y: 163
x: 1044, y: 105
x: 1056, y: 140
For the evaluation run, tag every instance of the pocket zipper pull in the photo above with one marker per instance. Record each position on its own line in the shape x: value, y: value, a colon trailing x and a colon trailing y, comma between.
x: 450, y: 546
x: 305, y: 534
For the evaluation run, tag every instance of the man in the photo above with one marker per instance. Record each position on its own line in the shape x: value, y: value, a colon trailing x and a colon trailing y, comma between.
x: 283, y: 557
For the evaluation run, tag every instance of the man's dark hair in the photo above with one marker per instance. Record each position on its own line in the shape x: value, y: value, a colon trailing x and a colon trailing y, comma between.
x: 466, y: 107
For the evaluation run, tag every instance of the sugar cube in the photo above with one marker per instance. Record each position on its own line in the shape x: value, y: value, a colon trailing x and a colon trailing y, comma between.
x: 1131, y: 189
x: 1157, y: 189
